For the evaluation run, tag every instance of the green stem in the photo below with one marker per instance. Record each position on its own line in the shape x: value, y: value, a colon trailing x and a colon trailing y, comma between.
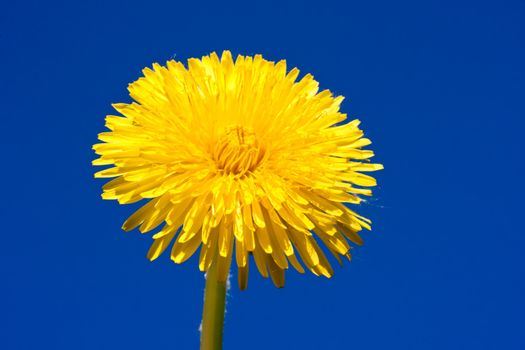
x: 213, y: 313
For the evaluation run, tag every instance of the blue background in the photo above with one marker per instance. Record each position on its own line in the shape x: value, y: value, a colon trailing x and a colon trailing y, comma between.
x: 439, y: 86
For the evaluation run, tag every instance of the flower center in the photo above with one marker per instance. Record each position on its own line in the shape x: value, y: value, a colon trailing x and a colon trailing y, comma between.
x: 237, y: 151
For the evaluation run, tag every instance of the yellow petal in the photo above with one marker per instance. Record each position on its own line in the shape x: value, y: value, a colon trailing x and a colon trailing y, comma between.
x: 264, y: 239
x: 160, y: 245
x: 139, y: 216
x: 257, y: 215
x: 260, y: 261
x: 225, y: 239
x: 276, y: 273
x: 182, y: 251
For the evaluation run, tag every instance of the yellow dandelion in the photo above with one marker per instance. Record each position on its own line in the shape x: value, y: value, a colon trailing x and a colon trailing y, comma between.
x: 238, y: 158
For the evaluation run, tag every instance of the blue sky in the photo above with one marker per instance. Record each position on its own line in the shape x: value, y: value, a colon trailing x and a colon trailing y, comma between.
x: 439, y: 87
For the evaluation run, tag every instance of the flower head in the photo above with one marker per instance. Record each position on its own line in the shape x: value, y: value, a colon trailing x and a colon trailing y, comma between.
x: 238, y: 158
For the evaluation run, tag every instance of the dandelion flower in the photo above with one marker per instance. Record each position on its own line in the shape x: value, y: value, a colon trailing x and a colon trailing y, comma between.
x: 238, y: 158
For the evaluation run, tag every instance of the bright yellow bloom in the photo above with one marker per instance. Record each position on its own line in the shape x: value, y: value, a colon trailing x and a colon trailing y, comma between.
x: 238, y: 158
